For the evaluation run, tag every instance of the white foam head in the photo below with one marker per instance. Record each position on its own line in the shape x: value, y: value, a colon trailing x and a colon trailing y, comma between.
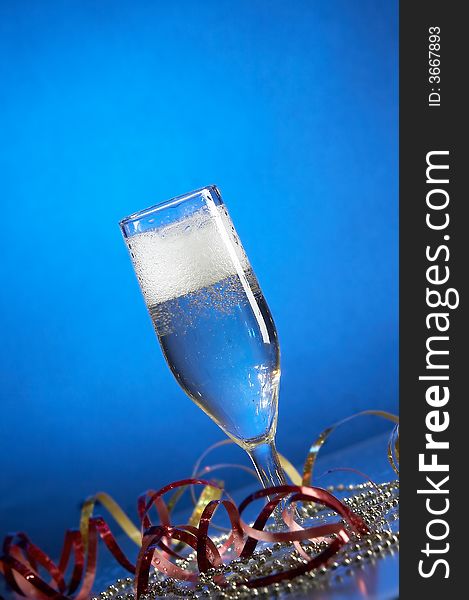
x: 190, y: 254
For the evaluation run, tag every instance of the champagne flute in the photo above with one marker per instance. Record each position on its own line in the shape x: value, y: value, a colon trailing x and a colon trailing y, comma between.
x: 211, y: 318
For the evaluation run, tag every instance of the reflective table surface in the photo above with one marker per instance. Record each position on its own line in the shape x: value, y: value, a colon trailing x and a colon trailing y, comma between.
x: 376, y: 579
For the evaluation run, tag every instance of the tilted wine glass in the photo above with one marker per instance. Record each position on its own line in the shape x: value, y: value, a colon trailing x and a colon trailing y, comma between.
x: 211, y: 318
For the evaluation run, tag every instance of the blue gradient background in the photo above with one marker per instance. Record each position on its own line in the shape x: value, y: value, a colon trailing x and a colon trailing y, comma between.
x: 107, y: 107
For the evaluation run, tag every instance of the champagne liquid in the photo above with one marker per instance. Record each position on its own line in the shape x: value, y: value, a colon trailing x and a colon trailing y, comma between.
x: 214, y: 346
x: 213, y: 323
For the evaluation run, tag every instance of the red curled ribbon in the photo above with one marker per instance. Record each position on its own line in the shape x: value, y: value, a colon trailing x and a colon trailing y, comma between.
x: 22, y: 560
x: 242, y: 536
x: 72, y: 578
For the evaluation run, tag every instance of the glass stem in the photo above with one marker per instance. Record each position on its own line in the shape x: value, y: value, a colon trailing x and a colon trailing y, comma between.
x: 267, y: 464
x: 270, y: 472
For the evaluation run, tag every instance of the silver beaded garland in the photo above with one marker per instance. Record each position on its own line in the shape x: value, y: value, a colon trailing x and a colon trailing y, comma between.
x: 377, y: 505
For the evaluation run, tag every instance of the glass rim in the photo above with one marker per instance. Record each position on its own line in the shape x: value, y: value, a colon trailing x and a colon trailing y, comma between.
x: 168, y: 204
